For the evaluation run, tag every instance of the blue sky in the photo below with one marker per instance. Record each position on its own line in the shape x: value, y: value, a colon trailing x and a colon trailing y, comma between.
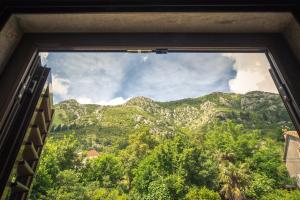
x: 113, y: 78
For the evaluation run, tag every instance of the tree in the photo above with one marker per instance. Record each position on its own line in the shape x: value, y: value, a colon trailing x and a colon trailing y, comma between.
x: 267, y: 160
x: 66, y: 152
x: 68, y: 187
x: 96, y: 192
x: 260, y: 185
x: 56, y: 157
x: 158, y: 190
x: 141, y: 142
x: 282, y: 195
x: 202, y: 194
x: 42, y: 182
x: 106, y: 169
x: 177, y: 163
x: 230, y: 141
x: 234, y: 180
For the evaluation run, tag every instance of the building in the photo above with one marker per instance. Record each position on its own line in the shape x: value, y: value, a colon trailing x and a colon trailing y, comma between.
x: 292, y: 154
x: 92, y: 154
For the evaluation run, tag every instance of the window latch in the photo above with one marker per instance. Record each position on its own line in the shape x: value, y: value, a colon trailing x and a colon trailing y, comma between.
x: 161, y: 51
x: 157, y: 51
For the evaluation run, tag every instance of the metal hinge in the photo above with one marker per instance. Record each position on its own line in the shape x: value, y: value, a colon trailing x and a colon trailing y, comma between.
x: 287, y: 99
x: 23, y: 88
x: 283, y: 92
x: 32, y: 86
x: 282, y: 89
x: 27, y: 86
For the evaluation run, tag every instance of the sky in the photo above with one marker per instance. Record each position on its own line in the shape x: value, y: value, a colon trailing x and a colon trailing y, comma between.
x: 115, y: 77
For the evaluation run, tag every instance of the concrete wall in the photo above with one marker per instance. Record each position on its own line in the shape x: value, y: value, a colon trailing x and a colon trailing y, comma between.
x: 293, y: 156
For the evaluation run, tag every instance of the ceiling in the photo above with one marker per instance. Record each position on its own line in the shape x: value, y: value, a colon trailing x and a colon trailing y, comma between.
x: 205, y: 22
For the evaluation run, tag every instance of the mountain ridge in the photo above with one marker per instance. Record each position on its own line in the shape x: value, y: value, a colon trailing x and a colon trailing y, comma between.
x: 260, y: 110
x: 178, y: 100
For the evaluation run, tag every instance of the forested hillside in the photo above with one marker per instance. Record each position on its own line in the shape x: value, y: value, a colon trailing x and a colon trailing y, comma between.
x: 218, y: 146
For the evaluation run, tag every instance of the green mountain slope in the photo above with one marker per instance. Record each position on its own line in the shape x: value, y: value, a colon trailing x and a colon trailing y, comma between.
x: 106, y: 126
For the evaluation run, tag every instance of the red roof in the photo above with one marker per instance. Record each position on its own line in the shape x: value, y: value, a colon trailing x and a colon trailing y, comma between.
x: 292, y: 133
x: 92, y: 153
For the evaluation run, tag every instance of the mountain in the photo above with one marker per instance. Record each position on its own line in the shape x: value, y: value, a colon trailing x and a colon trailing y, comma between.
x: 103, y: 127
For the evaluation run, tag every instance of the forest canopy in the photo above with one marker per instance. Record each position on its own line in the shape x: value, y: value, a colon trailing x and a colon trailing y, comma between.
x: 220, y: 146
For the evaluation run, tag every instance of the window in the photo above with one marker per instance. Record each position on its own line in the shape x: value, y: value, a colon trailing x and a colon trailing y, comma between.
x: 282, y: 67
x: 146, y: 125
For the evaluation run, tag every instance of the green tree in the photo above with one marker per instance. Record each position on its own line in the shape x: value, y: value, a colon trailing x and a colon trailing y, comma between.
x: 282, y: 195
x: 260, y: 185
x: 159, y: 190
x: 56, y: 157
x: 141, y: 142
x: 66, y: 152
x: 202, y: 194
x: 106, y: 169
x: 42, y: 182
x: 179, y: 164
x: 68, y: 187
x: 234, y: 180
x: 268, y: 160
x: 96, y: 192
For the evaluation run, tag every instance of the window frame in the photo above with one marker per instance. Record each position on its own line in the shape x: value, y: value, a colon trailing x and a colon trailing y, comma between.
x: 284, y: 65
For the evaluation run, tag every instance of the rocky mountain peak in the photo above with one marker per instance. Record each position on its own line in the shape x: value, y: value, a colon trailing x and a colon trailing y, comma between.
x: 70, y: 102
x: 139, y: 100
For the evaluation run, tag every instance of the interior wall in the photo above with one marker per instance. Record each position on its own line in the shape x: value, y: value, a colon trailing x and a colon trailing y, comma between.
x: 10, y: 35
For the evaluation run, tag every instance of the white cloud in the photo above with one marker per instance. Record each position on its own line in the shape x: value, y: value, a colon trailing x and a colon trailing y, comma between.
x: 115, y: 101
x: 252, y: 73
x: 84, y: 100
x: 60, y: 86
x: 97, y: 76
x: 145, y: 58
x: 180, y: 75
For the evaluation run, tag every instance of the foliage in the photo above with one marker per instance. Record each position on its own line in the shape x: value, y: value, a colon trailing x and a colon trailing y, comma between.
x: 282, y: 195
x: 234, y: 180
x: 95, y: 192
x: 57, y: 156
x: 219, y: 146
x: 202, y: 194
x: 140, y: 145
x: 107, y: 170
x: 68, y: 187
x: 260, y: 184
x: 177, y: 163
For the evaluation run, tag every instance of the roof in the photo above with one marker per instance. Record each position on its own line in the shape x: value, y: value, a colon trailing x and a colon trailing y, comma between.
x: 292, y: 133
x: 92, y: 153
